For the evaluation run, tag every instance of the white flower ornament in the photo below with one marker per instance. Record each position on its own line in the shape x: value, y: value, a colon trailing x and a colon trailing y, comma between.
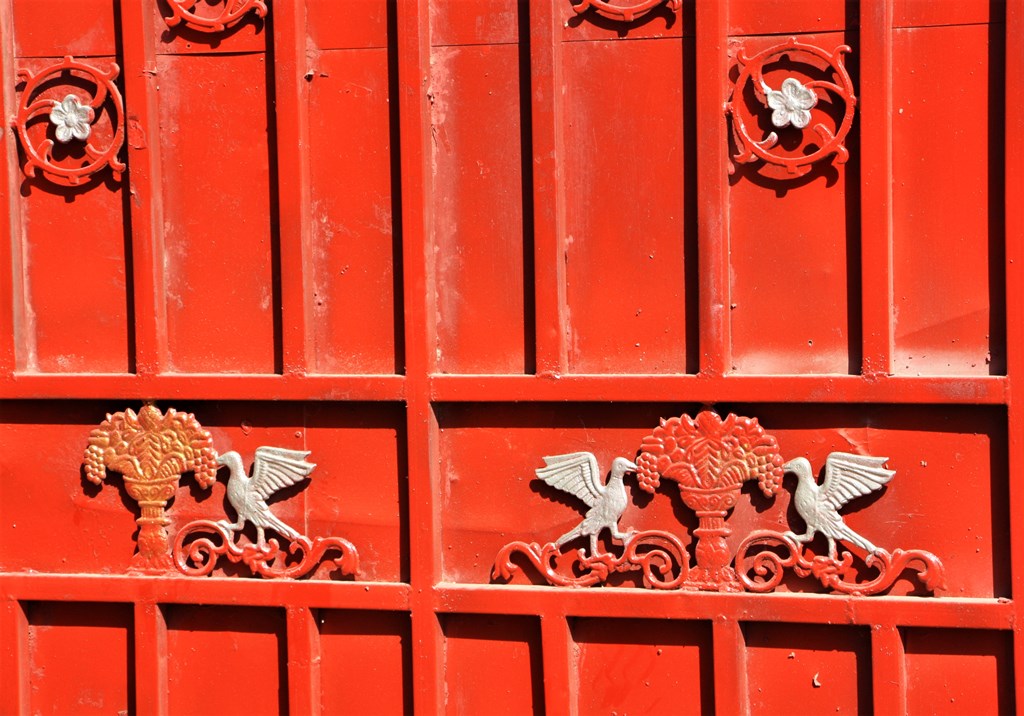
x: 792, y: 104
x: 72, y: 119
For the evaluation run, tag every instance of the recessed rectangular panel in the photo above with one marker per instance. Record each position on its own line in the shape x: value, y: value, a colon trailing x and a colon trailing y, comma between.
x: 219, y: 251
x: 630, y: 226
x: 43, y: 491
x: 365, y: 662
x: 478, y: 244
x: 352, y: 243
x: 357, y: 23
x: 940, y: 456
x: 209, y: 649
x: 86, y: 27
x: 947, y: 222
x: 957, y: 671
x: 81, y: 658
x: 808, y: 668
x: 793, y: 247
x: 475, y: 22
x: 492, y: 664
x: 773, y: 17
x: 643, y: 666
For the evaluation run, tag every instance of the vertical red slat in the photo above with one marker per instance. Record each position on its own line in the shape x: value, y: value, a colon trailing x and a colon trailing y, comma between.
x: 560, y: 681
x: 141, y: 85
x: 1014, y: 223
x: 876, y: 19
x: 291, y: 93
x: 304, y: 690
x: 9, y: 219
x: 713, y: 185
x: 14, y: 666
x: 547, y: 118
x: 888, y: 670
x: 150, y: 660
x: 413, y: 43
x: 730, y: 660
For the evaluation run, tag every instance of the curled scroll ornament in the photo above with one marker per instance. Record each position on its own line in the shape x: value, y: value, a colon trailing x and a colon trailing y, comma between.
x: 791, y: 104
x: 73, y: 117
x: 234, y: 11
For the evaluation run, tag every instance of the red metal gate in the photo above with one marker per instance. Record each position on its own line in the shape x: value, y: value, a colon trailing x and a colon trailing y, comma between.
x: 443, y: 245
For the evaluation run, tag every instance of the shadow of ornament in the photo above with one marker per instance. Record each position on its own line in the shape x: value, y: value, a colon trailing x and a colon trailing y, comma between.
x: 72, y: 113
x: 765, y: 555
x: 625, y: 10
x: 183, y: 12
x: 793, y: 104
x: 151, y: 450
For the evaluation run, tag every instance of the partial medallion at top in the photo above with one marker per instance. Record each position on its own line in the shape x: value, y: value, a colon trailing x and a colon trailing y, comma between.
x: 791, y: 107
x: 224, y: 14
x: 624, y: 10
x: 70, y: 121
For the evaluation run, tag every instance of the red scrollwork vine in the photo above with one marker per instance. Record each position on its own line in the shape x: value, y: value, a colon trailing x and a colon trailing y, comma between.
x: 200, y: 543
x: 792, y: 105
x: 233, y: 12
x: 625, y: 12
x: 73, y: 115
x: 660, y: 556
x: 765, y: 555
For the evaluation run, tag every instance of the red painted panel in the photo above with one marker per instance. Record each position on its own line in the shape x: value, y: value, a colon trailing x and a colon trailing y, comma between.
x: 824, y: 669
x: 474, y: 22
x: 478, y: 224
x: 772, y: 17
x: 86, y: 27
x: 947, y: 260
x: 354, y: 24
x: 643, y: 666
x: 954, y: 671
x: 790, y: 249
x: 74, y: 239
x: 510, y: 649
x: 352, y: 243
x: 937, y: 455
x: 628, y: 253
x: 43, y: 494
x: 365, y: 666
x: 82, y: 658
x: 217, y: 213
x: 210, y: 647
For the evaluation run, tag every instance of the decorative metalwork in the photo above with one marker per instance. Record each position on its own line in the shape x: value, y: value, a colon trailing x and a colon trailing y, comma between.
x: 72, y: 118
x: 791, y: 106
x: 710, y: 458
x: 199, y: 543
x: 846, y: 477
x: 234, y: 11
x: 151, y: 450
x: 625, y: 12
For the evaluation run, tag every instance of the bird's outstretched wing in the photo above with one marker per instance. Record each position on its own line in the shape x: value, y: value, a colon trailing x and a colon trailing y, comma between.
x: 275, y: 468
x: 848, y: 476
x: 576, y: 473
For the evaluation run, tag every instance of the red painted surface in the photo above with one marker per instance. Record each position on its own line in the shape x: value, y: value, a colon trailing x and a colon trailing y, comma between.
x: 433, y: 242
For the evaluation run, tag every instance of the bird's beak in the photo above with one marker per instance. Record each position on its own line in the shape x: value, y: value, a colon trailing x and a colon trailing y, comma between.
x: 631, y: 465
x: 789, y: 467
x: 220, y: 460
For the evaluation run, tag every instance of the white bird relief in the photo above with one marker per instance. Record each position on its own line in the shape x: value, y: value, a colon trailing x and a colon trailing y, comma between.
x: 273, y: 469
x: 846, y: 476
x: 577, y: 474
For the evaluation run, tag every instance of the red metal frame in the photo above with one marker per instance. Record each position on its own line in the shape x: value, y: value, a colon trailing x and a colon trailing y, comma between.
x: 429, y: 596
